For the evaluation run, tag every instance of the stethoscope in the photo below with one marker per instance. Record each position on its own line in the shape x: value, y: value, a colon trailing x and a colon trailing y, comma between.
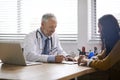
x: 38, y: 32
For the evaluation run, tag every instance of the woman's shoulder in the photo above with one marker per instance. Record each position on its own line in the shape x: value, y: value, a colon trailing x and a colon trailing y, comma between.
x: 118, y: 42
x: 117, y: 45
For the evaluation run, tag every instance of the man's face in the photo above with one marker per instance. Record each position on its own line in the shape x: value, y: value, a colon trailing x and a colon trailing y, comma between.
x: 49, y: 26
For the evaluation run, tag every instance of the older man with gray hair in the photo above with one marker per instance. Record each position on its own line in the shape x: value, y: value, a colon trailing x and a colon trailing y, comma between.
x: 43, y: 44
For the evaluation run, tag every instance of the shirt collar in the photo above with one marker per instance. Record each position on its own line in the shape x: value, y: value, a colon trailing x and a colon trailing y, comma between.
x: 43, y: 36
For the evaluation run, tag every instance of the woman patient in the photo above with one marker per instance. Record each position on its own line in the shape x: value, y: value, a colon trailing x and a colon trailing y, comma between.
x: 108, y: 61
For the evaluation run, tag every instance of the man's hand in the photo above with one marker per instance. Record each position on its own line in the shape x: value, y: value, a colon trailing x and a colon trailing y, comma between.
x: 59, y: 58
x: 69, y: 58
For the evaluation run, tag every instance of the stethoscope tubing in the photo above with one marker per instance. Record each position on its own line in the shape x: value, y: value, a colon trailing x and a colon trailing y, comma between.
x: 42, y: 37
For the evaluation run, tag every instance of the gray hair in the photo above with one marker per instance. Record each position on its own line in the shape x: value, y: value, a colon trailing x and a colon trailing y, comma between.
x: 47, y: 16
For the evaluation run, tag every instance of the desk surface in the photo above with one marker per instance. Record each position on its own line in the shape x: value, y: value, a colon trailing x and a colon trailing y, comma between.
x: 46, y: 71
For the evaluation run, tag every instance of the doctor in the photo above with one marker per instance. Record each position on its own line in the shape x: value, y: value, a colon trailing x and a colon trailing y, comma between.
x: 43, y: 44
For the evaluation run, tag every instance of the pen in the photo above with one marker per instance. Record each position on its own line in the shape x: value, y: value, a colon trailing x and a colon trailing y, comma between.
x: 52, y: 51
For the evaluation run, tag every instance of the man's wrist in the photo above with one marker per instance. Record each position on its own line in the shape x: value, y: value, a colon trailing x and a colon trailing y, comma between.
x: 51, y: 58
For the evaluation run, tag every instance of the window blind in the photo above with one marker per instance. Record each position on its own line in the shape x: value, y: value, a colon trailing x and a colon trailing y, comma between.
x: 95, y: 11
x: 8, y: 16
x: 19, y: 17
x: 93, y: 34
x: 112, y: 7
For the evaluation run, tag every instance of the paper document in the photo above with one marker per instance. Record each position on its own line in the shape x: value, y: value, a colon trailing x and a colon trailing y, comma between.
x: 69, y: 62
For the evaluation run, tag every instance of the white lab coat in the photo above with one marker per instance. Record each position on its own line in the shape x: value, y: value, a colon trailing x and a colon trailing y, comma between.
x: 33, y: 47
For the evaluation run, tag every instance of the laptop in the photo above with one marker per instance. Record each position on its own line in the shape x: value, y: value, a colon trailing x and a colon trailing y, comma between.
x: 11, y: 53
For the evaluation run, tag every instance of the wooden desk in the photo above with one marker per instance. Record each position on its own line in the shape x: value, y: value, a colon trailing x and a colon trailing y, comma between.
x: 46, y: 71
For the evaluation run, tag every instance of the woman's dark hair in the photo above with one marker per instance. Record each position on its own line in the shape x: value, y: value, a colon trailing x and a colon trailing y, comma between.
x: 110, y: 32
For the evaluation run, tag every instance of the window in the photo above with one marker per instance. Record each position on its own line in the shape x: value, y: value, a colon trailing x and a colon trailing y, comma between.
x: 19, y: 17
x: 112, y: 7
x: 92, y: 29
x: 98, y: 8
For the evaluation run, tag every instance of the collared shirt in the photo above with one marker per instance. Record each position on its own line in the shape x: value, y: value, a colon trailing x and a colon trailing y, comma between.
x: 50, y: 58
x: 33, y: 46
